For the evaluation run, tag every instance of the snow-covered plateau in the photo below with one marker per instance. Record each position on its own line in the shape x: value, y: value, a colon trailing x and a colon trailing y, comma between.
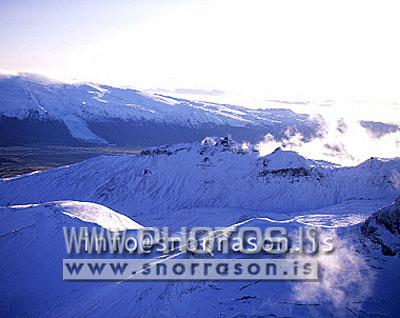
x: 216, y: 182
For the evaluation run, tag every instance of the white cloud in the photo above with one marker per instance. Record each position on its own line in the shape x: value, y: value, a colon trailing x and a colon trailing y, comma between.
x: 342, y: 139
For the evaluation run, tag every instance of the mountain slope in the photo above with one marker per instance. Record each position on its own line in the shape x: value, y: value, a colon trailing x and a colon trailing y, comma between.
x: 33, y: 247
x: 34, y: 109
x: 383, y: 228
x: 217, y: 173
x: 354, y: 281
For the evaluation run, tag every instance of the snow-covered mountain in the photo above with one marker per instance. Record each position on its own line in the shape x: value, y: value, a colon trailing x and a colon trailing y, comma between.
x: 216, y: 182
x: 34, y: 109
x: 218, y: 173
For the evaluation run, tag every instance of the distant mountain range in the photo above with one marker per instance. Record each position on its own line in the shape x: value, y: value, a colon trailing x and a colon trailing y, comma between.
x: 35, y: 110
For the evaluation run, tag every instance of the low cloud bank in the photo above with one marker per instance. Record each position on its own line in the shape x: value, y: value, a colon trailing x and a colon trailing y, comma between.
x: 342, y: 140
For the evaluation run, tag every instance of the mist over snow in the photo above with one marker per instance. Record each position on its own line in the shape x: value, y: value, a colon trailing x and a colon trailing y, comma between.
x: 350, y: 132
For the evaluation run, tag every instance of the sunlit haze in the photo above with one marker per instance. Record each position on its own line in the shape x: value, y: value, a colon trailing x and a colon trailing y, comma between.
x: 259, y: 49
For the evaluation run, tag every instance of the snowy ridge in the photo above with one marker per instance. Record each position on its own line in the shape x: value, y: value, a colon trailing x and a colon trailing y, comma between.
x: 89, y: 100
x: 33, y: 248
x: 82, y: 107
x: 216, y: 173
x: 383, y: 228
x: 280, y: 159
x: 85, y: 212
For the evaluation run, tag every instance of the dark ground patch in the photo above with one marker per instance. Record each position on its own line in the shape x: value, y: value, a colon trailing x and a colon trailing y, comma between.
x: 18, y: 160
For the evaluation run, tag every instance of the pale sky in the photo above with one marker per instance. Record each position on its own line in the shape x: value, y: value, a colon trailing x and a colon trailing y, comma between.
x: 275, y: 49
